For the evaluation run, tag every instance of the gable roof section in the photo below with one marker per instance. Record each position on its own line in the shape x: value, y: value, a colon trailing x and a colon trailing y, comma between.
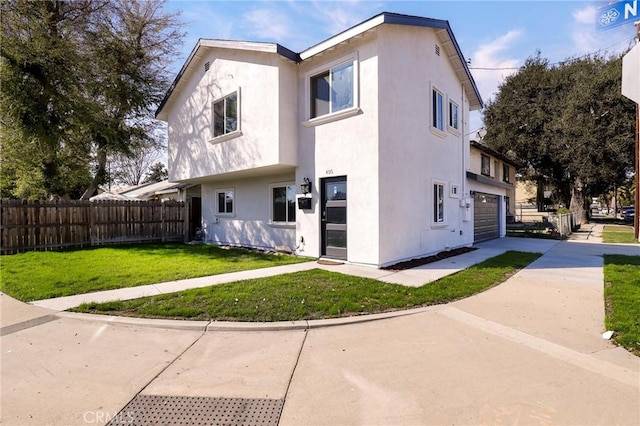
x: 199, y: 51
x: 443, y: 31
x: 442, y: 27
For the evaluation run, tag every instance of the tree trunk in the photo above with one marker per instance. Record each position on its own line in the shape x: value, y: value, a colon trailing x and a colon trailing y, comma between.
x: 578, y: 201
x: 540, y: 194
x: 100, y: 175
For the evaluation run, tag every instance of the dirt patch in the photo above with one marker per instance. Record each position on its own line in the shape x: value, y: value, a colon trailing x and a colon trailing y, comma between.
x: 408, y: 264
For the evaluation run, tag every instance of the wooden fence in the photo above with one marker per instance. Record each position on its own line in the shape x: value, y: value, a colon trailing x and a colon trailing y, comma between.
x: 49, y: 225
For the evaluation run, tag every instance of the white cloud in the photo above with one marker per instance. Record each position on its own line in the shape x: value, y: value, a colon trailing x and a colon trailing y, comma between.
x: 494, y: 63
x: 586, y: 15
x: 267, y: 24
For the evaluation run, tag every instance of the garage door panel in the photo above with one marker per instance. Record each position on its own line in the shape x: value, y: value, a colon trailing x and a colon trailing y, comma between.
x: 486, y: 217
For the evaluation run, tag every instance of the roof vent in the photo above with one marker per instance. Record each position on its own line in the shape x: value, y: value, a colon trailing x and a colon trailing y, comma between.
x: 206, y: 66
x: 437, y: 50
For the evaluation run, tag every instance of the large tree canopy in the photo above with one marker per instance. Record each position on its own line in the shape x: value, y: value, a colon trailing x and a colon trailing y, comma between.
x: 567, y: 124
x: 80, y: 81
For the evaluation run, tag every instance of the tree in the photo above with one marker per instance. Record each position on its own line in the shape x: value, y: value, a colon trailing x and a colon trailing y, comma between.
x: 132, y: 168
x: 157, y: 173
x: 567, y: 124
x: 80, y: 81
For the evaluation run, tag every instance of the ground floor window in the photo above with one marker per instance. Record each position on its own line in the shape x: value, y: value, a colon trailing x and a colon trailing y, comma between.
x: 225, y: 201
x: 283, y: 203
x: 438, y: 202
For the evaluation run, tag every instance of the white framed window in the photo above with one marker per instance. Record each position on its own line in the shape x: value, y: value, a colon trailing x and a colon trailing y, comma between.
x: 437, y: 109
x: 438, y: 203
x: 454, y: 120
x: 332, y: 91
x: 506, y: 173
x: 225, y: 201
x: 225, y: 113
x: 283, y: 203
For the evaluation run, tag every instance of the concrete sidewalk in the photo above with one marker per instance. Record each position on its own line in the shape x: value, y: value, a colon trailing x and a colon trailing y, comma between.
x: 410, y: 277
x: 529, y: 351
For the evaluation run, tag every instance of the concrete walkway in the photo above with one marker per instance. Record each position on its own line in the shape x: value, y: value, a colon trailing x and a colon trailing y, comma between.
x: 529, y: 351
x: 410, y: 277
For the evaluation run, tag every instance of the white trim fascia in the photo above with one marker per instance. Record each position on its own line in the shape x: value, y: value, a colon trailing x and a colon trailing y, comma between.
x: 239, y: 45
x: 342, y: 37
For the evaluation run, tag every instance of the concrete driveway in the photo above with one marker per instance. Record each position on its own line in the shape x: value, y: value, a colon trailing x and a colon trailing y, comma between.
x: 527, y: 352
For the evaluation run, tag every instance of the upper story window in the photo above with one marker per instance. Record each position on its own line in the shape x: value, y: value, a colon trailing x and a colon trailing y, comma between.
x: 486, y: 165
x: 283, y: 203
x: 226, y: 117
x: 453, y: 116
x: 333, y: 90
x: 505, y: 173
x: 437, y: 109
x: 225, y: 201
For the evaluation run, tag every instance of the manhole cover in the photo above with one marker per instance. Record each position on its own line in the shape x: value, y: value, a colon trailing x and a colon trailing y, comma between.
x: 181, y: 410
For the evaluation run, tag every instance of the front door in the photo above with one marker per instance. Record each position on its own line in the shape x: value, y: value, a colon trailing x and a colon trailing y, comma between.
x: 334, y: 217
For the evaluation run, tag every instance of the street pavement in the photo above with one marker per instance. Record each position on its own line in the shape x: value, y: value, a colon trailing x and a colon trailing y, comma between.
x: 529, y: 351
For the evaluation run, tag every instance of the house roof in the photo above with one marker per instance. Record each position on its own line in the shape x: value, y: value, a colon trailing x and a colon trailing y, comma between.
x: 149, y: 190
x: 484, y: 148
x: 443, y: 31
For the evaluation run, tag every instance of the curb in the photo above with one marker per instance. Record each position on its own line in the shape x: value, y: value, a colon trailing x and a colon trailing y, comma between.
x: 228, y: 326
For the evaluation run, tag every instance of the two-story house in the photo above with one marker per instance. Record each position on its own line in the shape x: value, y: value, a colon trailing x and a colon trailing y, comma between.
x: 352, y: 149
x: 492, y: 182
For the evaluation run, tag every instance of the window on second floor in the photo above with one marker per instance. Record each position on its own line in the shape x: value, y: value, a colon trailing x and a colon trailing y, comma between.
x: 333, y: 90
x: 453, y: 115
x: 437, y: 111
x: 505, y: 173
x: 225, y: 115
x: 486, y: 165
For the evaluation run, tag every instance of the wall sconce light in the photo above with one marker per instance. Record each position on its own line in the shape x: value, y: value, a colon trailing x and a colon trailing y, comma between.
x: 305, y: 186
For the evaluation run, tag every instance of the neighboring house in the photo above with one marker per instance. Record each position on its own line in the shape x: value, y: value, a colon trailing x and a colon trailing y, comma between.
x: 491, y: 178
x: 353, y: 149
x: 163, y: 190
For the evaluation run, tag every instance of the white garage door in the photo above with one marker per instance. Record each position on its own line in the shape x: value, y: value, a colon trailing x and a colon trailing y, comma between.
x: 486, y: 223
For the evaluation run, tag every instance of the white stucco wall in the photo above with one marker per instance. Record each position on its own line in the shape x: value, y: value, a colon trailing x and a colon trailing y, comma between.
x: 266, y: 138
x: 249, y: 225
x: 345, y: 147
x: 412, y: 155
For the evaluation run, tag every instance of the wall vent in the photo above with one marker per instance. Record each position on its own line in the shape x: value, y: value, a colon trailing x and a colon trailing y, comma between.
x: 206, y: 66
x: 437, y: 50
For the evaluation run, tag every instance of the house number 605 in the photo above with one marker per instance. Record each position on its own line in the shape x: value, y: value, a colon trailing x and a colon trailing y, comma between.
x: 329, y: 171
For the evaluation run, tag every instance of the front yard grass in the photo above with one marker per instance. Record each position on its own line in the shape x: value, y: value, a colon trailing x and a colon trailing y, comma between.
x: 622, y: 299
x: 618, y: 234
x: 43, y: 275
x: 313, y: 294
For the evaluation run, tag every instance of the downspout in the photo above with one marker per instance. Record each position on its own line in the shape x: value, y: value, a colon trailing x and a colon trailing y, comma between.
x: 464, y: 166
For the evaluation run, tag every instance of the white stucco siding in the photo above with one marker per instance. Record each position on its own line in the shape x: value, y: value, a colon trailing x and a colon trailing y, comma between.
x: 194, y: 153
x: 344, y: 147
x: 412, y: 155
x: 250, y: 223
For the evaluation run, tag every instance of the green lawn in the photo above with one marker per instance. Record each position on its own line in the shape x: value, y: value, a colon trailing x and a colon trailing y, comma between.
x: 622, y: 299
x: 314, y: 294
x: 42, y: 275
x: 618, y: 234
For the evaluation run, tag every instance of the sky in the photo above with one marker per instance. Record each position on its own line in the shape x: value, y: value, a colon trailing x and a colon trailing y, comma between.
x: 495, y: 36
